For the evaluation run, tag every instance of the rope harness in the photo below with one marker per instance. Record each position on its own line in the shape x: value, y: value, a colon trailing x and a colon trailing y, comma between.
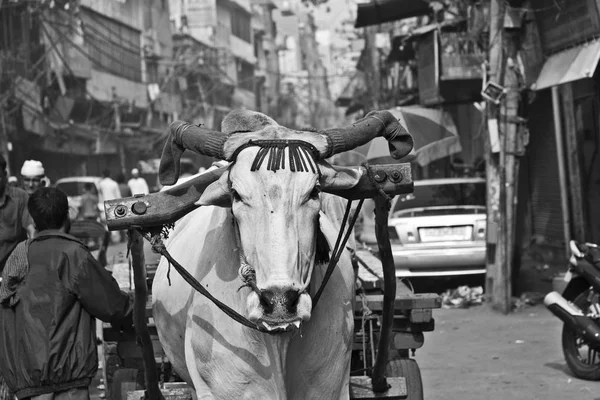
x: 246, y: 271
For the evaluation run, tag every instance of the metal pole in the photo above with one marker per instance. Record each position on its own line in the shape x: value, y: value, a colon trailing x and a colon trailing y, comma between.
x: 139, y: 316
x: 562, y: 172
x: 378, y: 379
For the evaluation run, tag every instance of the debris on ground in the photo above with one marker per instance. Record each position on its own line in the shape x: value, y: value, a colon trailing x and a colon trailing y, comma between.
x: 462, y: 297
x: 527, y: 299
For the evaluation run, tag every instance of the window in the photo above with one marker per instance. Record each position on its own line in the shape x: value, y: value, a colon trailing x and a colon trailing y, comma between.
x: 240, y: 25
x: 440, y: 197
x: 113, y: 46
x: 245, y: 75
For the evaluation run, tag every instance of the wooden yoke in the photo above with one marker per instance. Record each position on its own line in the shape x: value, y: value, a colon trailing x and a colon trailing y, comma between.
x: 162, y: 208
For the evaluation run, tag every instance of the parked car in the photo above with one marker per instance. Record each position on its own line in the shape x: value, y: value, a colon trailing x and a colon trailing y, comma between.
x: 73, y: 187
x: 439, y: 229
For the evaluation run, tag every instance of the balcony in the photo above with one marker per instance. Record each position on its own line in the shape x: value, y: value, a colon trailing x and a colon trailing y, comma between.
x: 449, y: 61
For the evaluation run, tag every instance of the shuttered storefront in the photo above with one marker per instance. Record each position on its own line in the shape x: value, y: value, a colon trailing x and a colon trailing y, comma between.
x: 544, y: 189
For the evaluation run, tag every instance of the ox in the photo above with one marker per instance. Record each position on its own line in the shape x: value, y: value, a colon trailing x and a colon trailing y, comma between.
x: 267, y: 211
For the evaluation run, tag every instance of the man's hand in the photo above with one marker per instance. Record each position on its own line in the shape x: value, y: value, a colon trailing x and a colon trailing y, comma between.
x: 124, y: 325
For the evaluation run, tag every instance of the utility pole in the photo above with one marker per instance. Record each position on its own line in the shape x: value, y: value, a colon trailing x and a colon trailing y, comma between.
x: 372, y: 72
x: 502, y: 171
x: 496, y: 281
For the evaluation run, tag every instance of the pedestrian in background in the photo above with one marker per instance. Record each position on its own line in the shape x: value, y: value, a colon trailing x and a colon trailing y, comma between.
x: 16, y: 224
x: 125, y: 192
x: 33, y: 176
x: 109, y: 189
x: 52, y: 290
x: 137, y: 184
x: 88, y: 209
x: 123, y: 187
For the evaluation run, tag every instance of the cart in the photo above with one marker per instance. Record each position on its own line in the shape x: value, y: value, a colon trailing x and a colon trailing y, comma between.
x: 126, y: 362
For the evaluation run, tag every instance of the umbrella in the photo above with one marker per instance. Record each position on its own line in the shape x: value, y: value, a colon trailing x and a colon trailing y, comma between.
x: 434, y: 133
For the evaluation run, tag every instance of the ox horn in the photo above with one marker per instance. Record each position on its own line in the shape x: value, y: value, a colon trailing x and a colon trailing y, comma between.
x: 374, y: 124
x: 184, y: 136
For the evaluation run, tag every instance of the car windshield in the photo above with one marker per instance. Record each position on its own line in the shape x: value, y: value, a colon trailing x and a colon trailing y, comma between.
x: 74, y: 188
x: 440, y: 196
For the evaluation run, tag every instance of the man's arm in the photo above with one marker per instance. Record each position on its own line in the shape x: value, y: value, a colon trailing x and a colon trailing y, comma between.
x: 27, y: 222
x: 99, y: 293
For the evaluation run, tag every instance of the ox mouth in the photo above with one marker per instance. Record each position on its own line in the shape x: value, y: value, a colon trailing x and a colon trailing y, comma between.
x: 279, y: 326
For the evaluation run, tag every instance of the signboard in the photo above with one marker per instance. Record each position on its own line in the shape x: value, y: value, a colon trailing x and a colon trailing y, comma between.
x: 563, y: 23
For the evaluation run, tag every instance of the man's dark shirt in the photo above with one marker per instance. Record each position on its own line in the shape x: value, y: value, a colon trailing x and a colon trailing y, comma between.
x: 48, y: 334
x: 14, y: 219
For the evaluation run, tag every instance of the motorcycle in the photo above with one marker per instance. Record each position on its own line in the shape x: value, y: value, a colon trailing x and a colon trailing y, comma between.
x: 579, y: 308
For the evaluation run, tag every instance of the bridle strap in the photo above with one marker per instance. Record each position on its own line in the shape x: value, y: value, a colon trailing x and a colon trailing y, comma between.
x: 339, y: 247
x: 159, y: 247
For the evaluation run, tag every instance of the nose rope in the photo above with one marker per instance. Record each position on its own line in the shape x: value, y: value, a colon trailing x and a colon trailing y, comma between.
x: 246, y: 272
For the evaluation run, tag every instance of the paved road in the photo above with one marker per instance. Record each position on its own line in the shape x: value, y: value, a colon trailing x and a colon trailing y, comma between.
x: 476, y: 354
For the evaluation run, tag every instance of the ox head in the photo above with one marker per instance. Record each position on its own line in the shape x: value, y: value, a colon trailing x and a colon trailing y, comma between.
x: 273, y: 187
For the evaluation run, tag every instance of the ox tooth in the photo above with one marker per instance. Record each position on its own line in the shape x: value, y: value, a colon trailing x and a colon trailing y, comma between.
x: 267, y: 326
x: 297, y: 324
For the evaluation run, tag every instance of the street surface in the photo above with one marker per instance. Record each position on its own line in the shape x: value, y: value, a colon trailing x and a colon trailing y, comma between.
x: 476, y: 354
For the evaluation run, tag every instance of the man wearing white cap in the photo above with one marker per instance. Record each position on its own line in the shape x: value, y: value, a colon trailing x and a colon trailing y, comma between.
x: 33, y: 176
x: 137, y: 184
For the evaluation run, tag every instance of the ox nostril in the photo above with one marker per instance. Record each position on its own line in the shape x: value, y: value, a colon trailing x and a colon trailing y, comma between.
x: 291, y: 299
x: 279, y: 301
x: 267, y: 300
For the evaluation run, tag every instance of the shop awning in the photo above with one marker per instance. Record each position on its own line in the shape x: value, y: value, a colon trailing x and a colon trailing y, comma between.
x: 377, y: 12
x: 569, y: 65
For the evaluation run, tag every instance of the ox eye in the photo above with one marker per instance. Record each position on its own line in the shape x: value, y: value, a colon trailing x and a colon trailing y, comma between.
x: 314, y: 194
x: 235, y: 195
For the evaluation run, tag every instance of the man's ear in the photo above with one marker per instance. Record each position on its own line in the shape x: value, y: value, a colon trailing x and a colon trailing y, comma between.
x: 217, y: 193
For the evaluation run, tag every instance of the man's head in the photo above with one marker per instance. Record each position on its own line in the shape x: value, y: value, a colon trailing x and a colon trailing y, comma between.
x: 106, y: 173
x: 32, y: 174
x: 135, y: 173
x: 49, y: 209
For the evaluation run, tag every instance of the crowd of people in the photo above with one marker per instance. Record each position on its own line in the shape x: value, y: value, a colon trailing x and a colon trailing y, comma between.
x: 52, y: 288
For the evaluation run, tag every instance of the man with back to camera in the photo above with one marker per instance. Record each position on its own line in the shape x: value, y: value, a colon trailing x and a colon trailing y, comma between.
x: 53, y: 289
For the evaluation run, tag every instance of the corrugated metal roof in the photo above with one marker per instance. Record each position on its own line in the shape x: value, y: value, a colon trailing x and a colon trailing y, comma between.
x: 380, y: 11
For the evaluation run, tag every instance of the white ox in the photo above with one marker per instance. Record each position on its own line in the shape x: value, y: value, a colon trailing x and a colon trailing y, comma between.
x: 276, y: 215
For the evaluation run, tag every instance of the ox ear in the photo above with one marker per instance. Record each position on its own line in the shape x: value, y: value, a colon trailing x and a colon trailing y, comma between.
x: 217, y: 193
x: 339, y: 178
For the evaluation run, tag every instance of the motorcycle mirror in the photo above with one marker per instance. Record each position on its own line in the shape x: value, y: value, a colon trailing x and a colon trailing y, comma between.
x: 575, y: 249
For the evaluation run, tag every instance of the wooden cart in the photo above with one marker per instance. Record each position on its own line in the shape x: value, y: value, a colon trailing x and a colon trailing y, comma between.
x: 408, y: 315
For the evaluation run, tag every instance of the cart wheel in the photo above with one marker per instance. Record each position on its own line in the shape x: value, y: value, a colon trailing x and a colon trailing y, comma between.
x: 124, y: 380
x: 409, y: 369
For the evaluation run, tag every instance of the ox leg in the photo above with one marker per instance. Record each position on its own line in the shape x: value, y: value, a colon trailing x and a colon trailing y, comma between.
x: 325, y: 345
x: 202, y: 390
